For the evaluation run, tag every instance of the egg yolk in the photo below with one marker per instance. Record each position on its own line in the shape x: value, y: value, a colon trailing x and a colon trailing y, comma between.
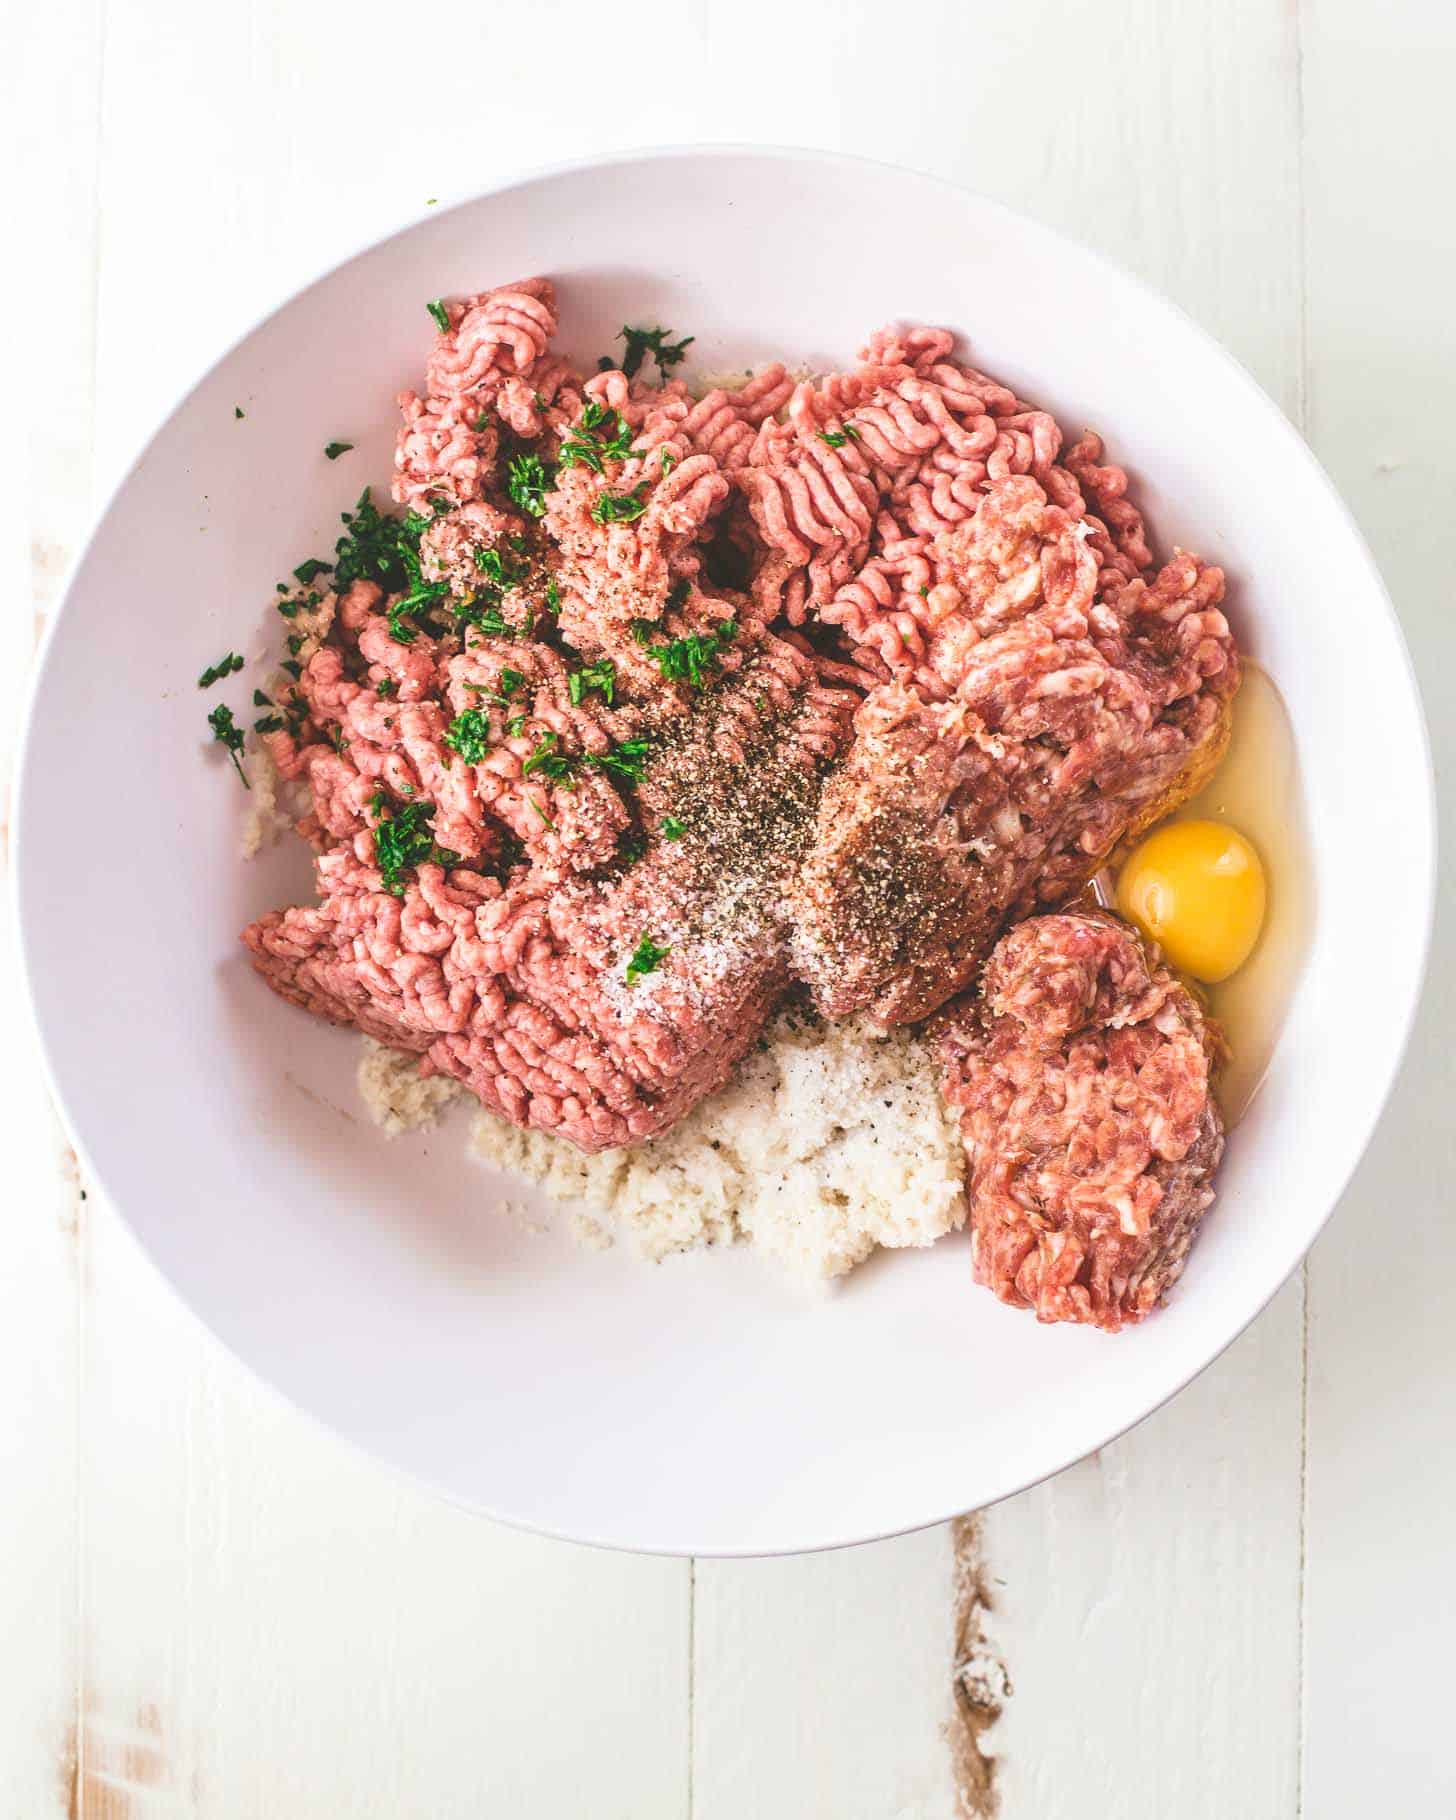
x: 1197, y: 890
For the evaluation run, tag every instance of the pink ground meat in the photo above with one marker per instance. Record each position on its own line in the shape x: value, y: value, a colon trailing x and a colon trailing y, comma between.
x: 1081, y: 1073
x: 824, y: 681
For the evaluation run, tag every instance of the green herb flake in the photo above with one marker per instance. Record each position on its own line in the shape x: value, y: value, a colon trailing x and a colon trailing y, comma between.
x: 494, y: 567
x: 268, y: 723
x: 672, y: 828
x: 311, y: 570
x: 619, y: 508
x: 692, y: 659
x: 550, y: 761
x: 260, y: 700
x: 239, y: 412
x: 669, y: 462
x: 294, y: 669
x: 646, y: 958
x: 469, y: 735
x: 333, y: 450
x: 404, y: 839
x: 527, y: 482
x: 553, y: 596
x: 225, y: 666
x: 601, y: 676
x: 642, y: 342
x: 516, y: 726
x: 598, y: 436
x: 626, y: 761
x: 229, y: 734
x: 440, y: 314
x: 835, y: 438
x: 542, y: 813
x: 386, y: 686
x: 510, y: 681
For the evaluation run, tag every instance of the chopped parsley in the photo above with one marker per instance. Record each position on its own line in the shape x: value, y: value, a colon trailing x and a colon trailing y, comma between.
x: 379, y: 548
x: 260, y: 700
x: 404, y: 839
x: 835, y: 438
x: 495, y: 568
x: 315, y: 565
x: 238, y: 411
x: 516, y: 726
x: 541, y: 812
x: 601, y: 676
x: 642, y: 342
x: 294, y: 668
x: 620, y: 508
x: 268, y: 723
x: 229, y: 734
x: 440, y: 314
x: 669, y: 461
x: 335, y: 449
x: 488, y: 618
x: 646, y: 958
x: 553, y: 596
x: 691, y: 659
x: 469, y: 735
x: 527, y: 482
x: 598, y: 436
x: 510, y: 681
x: 386, y: 686
x: 225, y: 666
x: 546, y: 758
x: 626, y: 761
x: 672, y: 828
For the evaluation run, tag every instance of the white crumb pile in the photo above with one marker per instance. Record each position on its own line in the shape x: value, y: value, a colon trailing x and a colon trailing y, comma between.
x: 828, y: 1141
x: 398, y: 1096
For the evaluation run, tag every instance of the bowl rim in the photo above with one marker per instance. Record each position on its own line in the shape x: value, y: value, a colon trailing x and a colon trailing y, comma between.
x: 1422, y: 813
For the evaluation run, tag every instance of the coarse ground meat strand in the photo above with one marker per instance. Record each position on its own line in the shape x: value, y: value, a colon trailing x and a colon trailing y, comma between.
x: 1081, y: 1073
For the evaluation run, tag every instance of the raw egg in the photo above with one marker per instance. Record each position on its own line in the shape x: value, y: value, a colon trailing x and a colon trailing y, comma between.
x: 1197, y: 890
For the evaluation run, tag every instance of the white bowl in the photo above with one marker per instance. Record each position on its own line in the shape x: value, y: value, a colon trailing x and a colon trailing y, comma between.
x: 700, y: 1405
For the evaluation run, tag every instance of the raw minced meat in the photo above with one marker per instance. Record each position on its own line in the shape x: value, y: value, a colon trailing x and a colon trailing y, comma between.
x: 1082, y: 1075
x: 498, y: 829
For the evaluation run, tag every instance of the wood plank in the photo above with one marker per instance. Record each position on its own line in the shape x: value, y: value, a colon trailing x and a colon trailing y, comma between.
x: 44, y: 512
x: 1382, y: 1469
x: 1144, y: 1607
x: 823, y: 1684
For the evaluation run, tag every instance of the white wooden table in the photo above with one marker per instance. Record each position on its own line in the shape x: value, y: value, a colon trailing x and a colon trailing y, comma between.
x: 210, y: 1609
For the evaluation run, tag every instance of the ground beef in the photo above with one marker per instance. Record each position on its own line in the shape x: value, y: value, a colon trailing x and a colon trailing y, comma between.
x: 825, y: 678
x: 1057, y: 708
x: 516, y: 982
x: 1081, y: 1073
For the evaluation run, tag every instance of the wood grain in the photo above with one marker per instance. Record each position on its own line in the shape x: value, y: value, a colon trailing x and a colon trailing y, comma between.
x: 1382, y: 1364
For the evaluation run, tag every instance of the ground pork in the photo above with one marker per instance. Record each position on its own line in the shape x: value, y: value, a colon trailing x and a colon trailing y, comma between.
x: 1081, y: 1073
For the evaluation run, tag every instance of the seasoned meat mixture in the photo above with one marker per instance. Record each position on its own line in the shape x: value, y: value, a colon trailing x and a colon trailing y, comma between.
x: 650, y: 703
x: 1081, y: 1073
